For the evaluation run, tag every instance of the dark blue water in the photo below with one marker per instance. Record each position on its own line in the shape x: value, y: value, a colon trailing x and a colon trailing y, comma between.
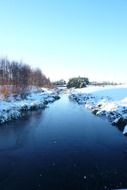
x: 62, y: 147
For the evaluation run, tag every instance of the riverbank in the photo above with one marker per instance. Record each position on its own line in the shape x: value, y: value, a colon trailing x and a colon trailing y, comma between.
x: 15, y: 107
x: 108, y: 102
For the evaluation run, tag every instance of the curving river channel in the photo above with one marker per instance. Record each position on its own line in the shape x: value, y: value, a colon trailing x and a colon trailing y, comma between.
x: 63, y: 147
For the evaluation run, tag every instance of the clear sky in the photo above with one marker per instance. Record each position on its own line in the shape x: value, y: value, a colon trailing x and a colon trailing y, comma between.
x: 67, y: 38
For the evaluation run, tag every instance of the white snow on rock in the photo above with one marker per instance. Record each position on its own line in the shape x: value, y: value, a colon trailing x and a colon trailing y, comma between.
x: 125, y: 130
x: 108, y: 101
x: 13, y: 108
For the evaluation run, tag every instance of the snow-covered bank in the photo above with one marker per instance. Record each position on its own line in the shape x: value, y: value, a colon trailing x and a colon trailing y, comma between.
x: 15, y: 107
x: 109, y: 102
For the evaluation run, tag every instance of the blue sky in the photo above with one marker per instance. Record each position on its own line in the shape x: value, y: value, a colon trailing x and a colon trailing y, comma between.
x: 67, y: 38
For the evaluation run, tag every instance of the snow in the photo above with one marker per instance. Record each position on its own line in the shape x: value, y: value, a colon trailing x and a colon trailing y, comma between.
x: 125, y: 130
x: 108, y: 101
x: 117, y: 92
x: 13, y: 108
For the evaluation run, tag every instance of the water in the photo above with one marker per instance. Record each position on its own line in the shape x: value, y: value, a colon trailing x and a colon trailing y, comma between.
x: 62, y: 147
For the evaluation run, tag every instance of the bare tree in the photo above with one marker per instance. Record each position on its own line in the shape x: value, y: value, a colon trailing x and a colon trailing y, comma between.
x: 20, y: 76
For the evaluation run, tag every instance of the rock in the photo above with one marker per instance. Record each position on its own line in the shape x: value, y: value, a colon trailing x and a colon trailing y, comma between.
x: 99, y: 105
x: 57, y: 97
x: 112, y: 116
x: 112, y: 113
x: 34, y: 107
x: 24, y: 108
x: 45, y: 102
x: 124, y: 110
x: 101, y: 113
x: 94, y: 111
x: 120, y: 123
x: 125, y: 130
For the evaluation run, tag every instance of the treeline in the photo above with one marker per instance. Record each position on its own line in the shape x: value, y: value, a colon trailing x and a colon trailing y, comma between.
x: 103, y: 83
x: 60, y: 82
x: 20, y: 76
x: 81, y: 82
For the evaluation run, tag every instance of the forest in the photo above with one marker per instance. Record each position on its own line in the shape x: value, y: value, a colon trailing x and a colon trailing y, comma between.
x: 18, y: 77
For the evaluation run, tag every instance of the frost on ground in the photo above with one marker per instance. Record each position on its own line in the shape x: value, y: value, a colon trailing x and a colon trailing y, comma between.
x: 14, y: 107
x: 108, y: 102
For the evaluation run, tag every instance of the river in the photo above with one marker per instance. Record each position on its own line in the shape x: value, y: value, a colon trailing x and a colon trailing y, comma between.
x: 62, y: 147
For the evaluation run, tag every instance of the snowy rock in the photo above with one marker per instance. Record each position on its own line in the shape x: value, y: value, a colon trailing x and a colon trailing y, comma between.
x: 56, y: 97
x: 101, y: 113
x: 94, y: 111
x: 109, y: 102
x: 120, y: 123
x: 15, y: 107
x: 125, y: 130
